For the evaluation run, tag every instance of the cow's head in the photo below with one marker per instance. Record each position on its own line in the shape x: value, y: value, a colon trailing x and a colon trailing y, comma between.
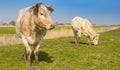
x: 95, y: 39
x: 42, y: 16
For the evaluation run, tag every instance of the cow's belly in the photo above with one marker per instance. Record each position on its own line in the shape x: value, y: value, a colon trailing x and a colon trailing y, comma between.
x: 31, y: 40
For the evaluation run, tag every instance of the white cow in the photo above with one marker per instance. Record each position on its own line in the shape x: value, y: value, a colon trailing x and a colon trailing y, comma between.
x: 31, y: 27
x: 81, y: 26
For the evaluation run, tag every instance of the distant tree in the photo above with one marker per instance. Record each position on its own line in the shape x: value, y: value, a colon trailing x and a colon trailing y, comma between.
x: 94, y: 24
x: 57, y: 23
x: 3, y: 23
x: 67, y: 23
x: 12, y: 22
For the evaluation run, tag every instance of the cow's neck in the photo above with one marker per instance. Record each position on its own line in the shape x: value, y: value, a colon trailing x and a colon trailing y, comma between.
x: 35, y: 33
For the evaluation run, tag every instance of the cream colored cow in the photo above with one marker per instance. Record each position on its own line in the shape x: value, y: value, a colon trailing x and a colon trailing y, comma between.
x: 31, y: 27
x: 82, y: 26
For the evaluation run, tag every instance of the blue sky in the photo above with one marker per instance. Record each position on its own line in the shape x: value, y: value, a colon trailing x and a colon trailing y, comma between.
x: 97, y: 11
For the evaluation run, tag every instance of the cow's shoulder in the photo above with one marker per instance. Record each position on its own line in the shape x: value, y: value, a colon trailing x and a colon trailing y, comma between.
x: 23, y: 11
x: 24, y: 21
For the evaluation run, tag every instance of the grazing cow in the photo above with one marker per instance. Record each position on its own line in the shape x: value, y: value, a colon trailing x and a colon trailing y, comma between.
x: 31, y: 27
x: 82, y: 26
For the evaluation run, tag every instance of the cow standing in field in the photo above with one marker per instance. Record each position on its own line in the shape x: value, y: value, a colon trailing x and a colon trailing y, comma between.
x: 31, y: 27
x: 83, y: 26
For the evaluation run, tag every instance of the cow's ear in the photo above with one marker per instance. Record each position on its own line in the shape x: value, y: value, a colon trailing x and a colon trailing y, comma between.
x: 50, y: 9
x: 37, y: 7
x: 32, y: 8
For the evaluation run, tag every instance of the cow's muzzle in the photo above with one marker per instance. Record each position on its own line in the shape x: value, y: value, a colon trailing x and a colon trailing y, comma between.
x: 52, y: 26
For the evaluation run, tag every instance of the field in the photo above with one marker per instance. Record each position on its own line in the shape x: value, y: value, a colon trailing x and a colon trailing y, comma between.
x: 63, y: 54
x: 11, y: 30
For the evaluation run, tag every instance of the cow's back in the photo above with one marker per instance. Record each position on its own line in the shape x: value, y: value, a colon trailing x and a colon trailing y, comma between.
x: 77, y: 23
x: 83, y: 25
x: 89, y: 27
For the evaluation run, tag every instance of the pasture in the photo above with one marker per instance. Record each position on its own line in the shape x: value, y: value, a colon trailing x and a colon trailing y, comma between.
x: 11, y: 30
x: 63, y: 54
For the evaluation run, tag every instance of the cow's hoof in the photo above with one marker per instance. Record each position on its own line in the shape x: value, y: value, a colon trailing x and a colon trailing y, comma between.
x: 36, y: 63
x: 77, y: 44
x: 28, y: 64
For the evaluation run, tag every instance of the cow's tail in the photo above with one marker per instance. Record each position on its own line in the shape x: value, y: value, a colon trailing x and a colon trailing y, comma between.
x: 18, y: 27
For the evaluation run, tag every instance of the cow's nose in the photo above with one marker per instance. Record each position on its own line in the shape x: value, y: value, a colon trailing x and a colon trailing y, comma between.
x: 52, y: 26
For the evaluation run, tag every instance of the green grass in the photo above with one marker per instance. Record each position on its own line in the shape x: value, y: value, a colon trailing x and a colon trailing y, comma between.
x: 11, y: 30
x: 63, y: 54
x: 103, y: 26
x: 7, y: 30
x: 62, y: 27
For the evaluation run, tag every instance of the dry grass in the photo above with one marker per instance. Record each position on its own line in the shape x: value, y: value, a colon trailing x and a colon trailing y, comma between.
x: 7, y: 39
x: 58, y: 34
x: 66, y: 33
x: 13, y: 39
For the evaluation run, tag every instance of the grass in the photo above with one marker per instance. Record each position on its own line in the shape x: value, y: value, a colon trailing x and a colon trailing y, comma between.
x: 11, y: 30
x: 103, y: 26
x: 63, y: 54
x: 62, y: 27
x: 7, y: 30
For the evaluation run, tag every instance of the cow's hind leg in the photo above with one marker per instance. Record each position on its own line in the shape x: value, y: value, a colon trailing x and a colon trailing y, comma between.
x: 24, y: 55
x: 76, y: 37
x: 27, y: 52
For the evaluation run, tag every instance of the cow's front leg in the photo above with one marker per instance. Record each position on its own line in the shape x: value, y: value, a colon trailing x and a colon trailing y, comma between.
x: 36, y: 54
x: 89, y: 41
x: 27, y: 52
x: 39, y: 36
x: 36, y: 51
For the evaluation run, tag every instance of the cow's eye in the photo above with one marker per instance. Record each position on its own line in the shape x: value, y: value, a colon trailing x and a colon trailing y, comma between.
x: 41, y: 14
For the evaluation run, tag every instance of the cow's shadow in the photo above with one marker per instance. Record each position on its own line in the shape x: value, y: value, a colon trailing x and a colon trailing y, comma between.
x: 43, y: 56
x: 73, y: 42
